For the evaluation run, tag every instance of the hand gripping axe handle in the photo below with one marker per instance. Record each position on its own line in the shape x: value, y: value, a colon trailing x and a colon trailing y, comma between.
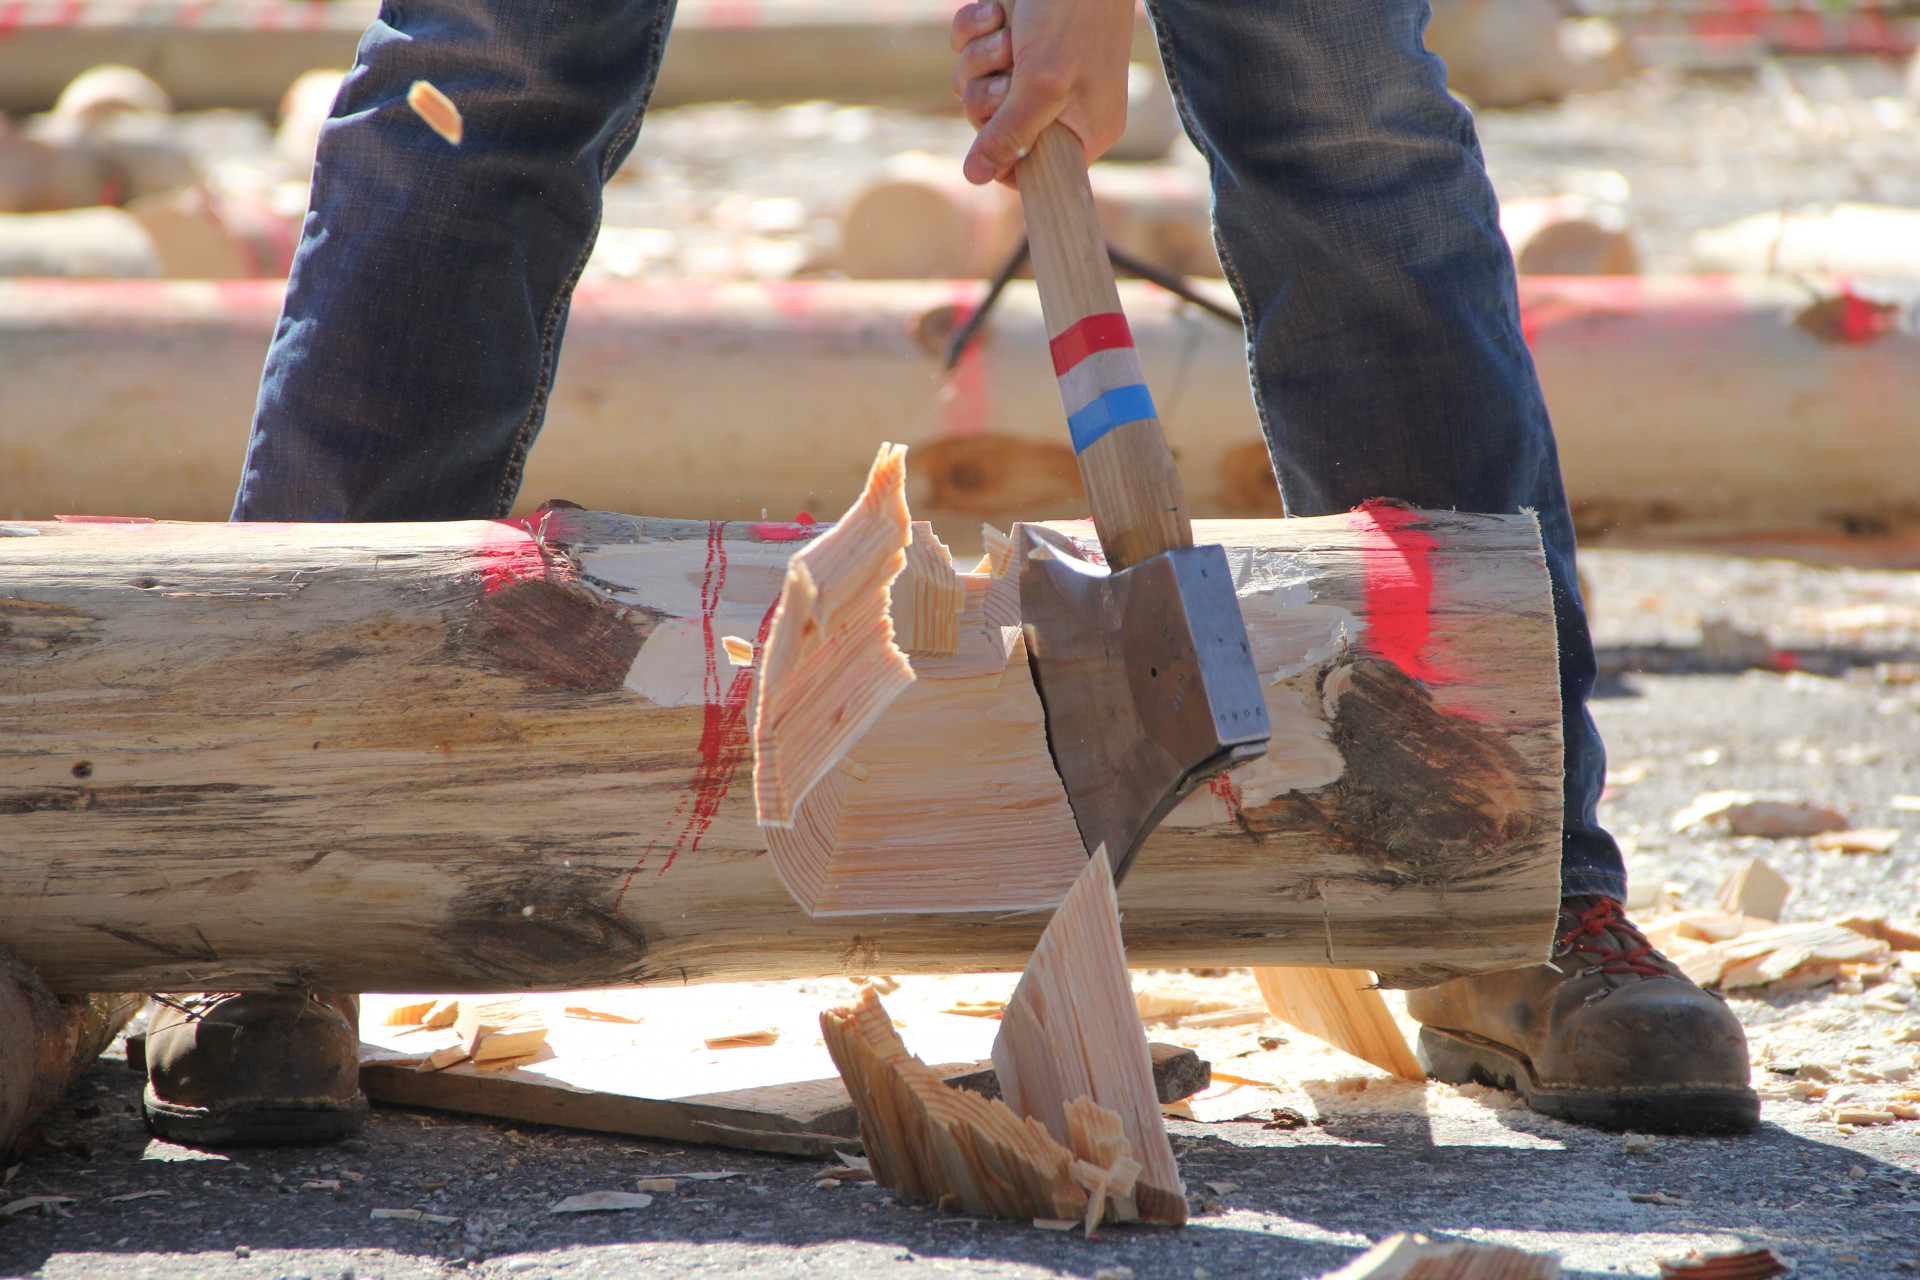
x: 1143, y: 664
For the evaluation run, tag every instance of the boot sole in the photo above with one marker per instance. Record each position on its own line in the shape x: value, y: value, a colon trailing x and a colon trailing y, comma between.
x: 253, y: 1126
x: 1455, y: 1058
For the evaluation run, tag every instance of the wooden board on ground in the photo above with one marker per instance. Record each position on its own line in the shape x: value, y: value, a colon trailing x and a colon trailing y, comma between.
x: 514, y: 756
x: 644, y: 1062
x: 654, y: 1076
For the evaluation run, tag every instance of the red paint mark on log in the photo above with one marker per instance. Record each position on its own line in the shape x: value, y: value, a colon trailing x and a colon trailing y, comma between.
x: 1848, y: 319
x: 511, y: 552
x: 1222, y: 786
x: 724, y: 741
x: 1397, y: 585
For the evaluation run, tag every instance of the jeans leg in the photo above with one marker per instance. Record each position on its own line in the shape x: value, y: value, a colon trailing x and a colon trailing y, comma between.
x: 410, y: 369
x: 1357, y: 226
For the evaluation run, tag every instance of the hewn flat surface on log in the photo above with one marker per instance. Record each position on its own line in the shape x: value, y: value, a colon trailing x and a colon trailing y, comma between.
x: 513, y: 756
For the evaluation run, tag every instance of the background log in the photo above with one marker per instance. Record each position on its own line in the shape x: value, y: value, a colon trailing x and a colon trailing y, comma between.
x: 1686, y: 409
x: 513, y: 756
x: 46, y: 1041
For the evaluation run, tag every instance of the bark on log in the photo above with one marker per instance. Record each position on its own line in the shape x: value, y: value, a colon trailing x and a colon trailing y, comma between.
x: 46, y: 1041
x: 513, y: 756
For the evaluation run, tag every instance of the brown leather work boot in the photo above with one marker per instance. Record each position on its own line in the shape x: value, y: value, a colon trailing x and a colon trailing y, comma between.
x: 1611, y: 1034
x: 257, y: 1069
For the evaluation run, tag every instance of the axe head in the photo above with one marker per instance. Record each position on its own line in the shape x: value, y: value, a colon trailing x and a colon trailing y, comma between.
x: 1147, y: 679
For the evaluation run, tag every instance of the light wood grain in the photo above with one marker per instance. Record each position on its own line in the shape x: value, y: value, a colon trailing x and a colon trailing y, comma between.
x: 1070, y: 1036
x: 1133, y: 487
x: 482, y: 756
x: 1340, y: 1007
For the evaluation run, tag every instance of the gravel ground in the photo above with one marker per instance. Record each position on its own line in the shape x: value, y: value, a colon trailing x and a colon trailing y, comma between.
x: 1381, y: 1156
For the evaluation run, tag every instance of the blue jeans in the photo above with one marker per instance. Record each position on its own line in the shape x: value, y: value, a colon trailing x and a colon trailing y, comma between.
x: 410, y: 370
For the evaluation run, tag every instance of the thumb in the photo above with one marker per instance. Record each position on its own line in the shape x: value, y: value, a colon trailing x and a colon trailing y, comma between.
x: 1005, y: 139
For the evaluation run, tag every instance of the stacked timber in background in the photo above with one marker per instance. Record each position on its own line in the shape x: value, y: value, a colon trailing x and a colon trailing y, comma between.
x: 243, y: 53
x: 1686, y: 410
x: 513, y: 756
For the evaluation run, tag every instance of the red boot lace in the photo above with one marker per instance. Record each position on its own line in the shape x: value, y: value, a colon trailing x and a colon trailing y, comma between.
x: 1588, y: 933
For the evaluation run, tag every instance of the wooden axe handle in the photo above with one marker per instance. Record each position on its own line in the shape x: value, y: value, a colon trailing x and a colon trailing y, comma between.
x: 1138, y: 507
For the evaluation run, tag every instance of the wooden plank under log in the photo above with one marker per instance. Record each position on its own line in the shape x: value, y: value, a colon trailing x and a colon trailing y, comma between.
x: 513, y: 756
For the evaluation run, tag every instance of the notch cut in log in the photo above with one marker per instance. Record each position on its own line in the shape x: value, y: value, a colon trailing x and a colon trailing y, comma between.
x: 1078, y: 1134
x: 830, y: 666
x: 512, y: 756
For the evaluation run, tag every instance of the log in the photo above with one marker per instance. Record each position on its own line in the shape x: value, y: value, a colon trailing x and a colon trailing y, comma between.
x: 1687, y: 410
x: 46, y: 1041
x: 243, y: 53
x: 512, y: 755
x: 1866, y: 241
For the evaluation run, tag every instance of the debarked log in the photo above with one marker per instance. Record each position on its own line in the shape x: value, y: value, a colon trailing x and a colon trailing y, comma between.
x: 515, y: 755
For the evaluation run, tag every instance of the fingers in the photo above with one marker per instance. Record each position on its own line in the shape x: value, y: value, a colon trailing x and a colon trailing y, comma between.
x: 981, y: 98
x: 1031, y: 104
x: 989, y: 55
x: 973, y: 21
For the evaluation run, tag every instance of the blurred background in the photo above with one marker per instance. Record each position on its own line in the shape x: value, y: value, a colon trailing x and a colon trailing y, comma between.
x: 1714, y: 204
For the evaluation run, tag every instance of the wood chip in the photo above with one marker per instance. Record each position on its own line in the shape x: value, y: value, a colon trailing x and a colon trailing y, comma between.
x: 493, y: 1030
x: 590, y: 1014
x: 408, y: 1015
x: 437, y: 109
x: 755, y: 1038
x: 321, y: 1184
x: 1742, y: 1264
x: 739, y: 651
x: 403, y: 1215
x: 1755, y: 889
x: 1221, y: 1188
x: 602, y: 1202
x: 1862, y: 1116
x: 1056, y: 1224
x: 1340, y: 1007
x: 1638, y: 1144
x: 15, y: 1207
x: 1654, y: 1197
x: 656, y: 1184
x: 440, y: 1059
x: 1414, y: 1257
x: 136, y: 1195
x: 1861, y: 840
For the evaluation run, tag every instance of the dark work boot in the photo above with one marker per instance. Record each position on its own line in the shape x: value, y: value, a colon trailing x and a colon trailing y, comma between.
x: 1611, y: 1034
x: 258, y: 1069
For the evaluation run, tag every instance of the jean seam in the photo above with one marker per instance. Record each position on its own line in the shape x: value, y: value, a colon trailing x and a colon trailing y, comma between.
x: 515, y: 470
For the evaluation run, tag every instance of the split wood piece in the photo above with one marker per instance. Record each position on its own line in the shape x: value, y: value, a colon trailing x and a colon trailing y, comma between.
x: 499, y: 756
x: 46, y: 1041
x: 1755, y: 889
x: 1070, y: 1031
x: 1415, y: 1257
x: 874, y: 837
x: 1178, y: 1074
x: 926, y: 599
x: 928, y: 1141
x: 498, y: 1029
x: 830, y: 666
x: 1341, y: 1007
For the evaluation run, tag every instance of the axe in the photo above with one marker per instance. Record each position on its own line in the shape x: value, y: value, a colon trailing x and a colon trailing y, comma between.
x: 1143, y: 663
